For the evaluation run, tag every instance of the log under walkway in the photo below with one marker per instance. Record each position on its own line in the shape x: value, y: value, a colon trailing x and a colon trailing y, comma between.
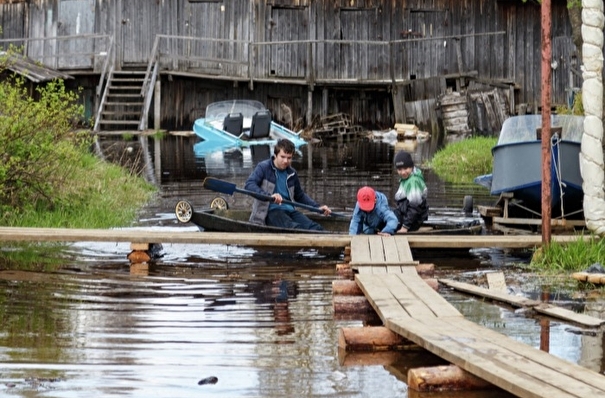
x: 410, y: 308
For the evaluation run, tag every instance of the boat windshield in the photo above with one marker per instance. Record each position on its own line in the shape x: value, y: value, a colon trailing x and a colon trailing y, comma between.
x: 524, y: 128
x: 218, y: 110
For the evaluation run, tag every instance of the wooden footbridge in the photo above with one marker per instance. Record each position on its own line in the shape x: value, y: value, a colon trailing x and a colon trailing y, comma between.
x: 175, y: 235
x: 410, y: 308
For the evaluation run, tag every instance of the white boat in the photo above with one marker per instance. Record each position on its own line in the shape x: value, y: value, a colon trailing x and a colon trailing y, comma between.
x: 240, y: 123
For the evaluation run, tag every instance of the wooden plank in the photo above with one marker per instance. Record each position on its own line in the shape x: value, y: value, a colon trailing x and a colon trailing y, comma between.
x: 388, y: 306
x: 379, y: 269
x: 560, y: 365
x: 440, y: 306
x: 543, y: 308
x: 376, y: 249
x: 491, y: 294
x: 413, y: 304
x: 360, y: 250
x: 403, y: 249
x: 14, y: 234
x: 364, y: 270
x: 568, y: 315
x: 474, y: 356
x: 517, y: 362
x: 391, y: 251
x: 496, y: 281
x: 393, y: 269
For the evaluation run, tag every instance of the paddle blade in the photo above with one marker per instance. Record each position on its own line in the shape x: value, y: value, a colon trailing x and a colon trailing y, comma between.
x: 219, y: 186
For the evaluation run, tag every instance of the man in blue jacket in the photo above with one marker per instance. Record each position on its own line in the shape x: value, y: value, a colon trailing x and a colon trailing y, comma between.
x: 275, y: 177
x: 372, y: 214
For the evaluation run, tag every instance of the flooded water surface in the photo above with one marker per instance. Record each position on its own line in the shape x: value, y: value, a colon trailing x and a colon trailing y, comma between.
x: 235, y: 321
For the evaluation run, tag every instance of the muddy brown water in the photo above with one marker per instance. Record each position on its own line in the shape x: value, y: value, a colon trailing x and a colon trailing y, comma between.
x: 233, y: 321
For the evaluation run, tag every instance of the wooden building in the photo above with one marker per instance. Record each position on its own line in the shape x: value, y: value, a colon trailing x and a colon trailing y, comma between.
x: 380, y: 61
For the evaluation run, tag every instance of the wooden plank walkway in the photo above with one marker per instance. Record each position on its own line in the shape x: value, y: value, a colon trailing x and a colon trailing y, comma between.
x: 254, y: 239
x: 409, y: 307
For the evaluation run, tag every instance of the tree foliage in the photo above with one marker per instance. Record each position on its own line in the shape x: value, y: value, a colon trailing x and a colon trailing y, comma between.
x: 38, y: 146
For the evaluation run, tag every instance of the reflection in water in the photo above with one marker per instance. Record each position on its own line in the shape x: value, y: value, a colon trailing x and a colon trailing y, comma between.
x: 261, y: 322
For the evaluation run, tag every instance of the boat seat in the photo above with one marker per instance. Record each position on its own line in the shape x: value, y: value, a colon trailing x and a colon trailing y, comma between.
x: 261, y: 124
x: 234, y: 124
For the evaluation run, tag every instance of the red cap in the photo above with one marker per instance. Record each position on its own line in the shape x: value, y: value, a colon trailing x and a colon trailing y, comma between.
x: 366, y: 197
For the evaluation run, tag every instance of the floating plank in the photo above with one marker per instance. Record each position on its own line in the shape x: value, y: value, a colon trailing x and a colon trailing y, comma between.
x: 491, y: 294
x: 568, y: 315
x: 543, y: 308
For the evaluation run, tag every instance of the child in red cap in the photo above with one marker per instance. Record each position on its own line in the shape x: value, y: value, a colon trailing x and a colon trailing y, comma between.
x: 372, y: 214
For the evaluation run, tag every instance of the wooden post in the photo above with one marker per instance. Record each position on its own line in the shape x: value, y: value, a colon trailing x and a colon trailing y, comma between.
x: 157, y: 108
x: 546, y: 133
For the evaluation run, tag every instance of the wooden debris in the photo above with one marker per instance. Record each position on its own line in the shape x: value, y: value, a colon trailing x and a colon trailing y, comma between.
x: 337, y: 127
x: 454, y: 111
x: 597, y: 279
x: 495, y: 281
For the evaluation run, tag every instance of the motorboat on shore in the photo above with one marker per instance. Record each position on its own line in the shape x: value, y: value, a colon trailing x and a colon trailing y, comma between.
x: 517, y: 166
x: 241, y: 123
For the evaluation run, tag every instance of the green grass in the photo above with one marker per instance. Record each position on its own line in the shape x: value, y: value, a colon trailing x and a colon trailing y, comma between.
x: 462, y: 161
x: 557, y: 258
x: 101, y: 195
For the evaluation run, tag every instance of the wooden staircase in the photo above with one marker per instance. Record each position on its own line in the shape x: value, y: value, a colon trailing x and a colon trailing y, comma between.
x: 122, y: 104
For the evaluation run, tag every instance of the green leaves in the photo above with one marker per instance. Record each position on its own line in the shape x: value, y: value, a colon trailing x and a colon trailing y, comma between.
x: 37, y: 145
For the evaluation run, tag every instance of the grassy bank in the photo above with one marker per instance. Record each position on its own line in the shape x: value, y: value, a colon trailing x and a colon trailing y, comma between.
x: 99, y: 195
x: 462, y: 161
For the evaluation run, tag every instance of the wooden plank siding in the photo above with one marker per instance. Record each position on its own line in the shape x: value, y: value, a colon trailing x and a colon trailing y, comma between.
x: 365, y: 53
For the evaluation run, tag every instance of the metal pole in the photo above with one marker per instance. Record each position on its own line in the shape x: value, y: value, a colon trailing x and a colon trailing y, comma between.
x: 546, y: 133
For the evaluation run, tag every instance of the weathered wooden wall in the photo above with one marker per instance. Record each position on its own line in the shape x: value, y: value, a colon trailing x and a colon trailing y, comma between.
x: 401, y: 50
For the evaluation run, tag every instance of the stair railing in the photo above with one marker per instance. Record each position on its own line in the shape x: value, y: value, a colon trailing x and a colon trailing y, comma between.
x: 104, y: 81
x: 149, y: 83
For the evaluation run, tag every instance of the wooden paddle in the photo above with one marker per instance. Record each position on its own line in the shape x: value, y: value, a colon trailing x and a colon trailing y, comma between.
x: 229, y: 188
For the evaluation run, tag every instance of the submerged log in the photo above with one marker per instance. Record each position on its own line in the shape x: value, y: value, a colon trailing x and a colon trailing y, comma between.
x: 346, y: 288
x: 351, y: 305
x: 374, y: 358
x: 426, y: 270
x: 433, y: 283
x: 445, y: 378
x: 375, y: 338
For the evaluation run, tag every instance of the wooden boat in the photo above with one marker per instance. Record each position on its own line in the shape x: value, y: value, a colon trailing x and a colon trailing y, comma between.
x: 221, y: 219
x: 517, y: 165
x: 239, y: 123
